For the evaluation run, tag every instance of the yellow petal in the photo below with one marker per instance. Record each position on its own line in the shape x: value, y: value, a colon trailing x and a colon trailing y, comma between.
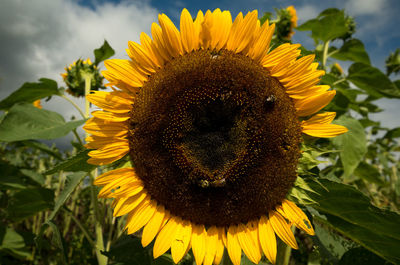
x: 313, y: 104
x: 233, y: 246
x: 154, y: 225
x: 282, y: 229
x: 267, y: 239
x: 220, y: 246
x: 248, y: 243
x: 112, y: 101
x: 181, y: 241
x: 199, y: 243
x: 126, y: 206
x: 295, y: 215
x: 111, y: 175
x: 172, y: 38
x: 140, y: 216
x: 165, y: 237
x: 188, y: 31
x: 211, y: 245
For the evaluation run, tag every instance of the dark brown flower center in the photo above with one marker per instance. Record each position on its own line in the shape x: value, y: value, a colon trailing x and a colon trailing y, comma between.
x: 215, y: 138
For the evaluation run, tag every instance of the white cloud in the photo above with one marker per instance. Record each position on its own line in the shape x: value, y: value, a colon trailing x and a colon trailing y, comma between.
x: 39, y: 38
x: 306, y: 12
x: 365, y: 7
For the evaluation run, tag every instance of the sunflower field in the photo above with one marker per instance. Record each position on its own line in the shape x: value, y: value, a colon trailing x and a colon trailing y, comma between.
x: 219, y: 141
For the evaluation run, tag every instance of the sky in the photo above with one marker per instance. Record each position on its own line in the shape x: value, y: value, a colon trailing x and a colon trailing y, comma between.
x: 40, y: 37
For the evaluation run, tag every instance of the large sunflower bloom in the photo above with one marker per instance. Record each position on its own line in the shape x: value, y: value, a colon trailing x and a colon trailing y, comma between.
x: 210, y: 119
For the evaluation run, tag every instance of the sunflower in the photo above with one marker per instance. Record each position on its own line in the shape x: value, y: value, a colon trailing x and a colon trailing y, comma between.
x: 293, y: 20
x: 74, y: 77
x: 211, y: 121
x: 37, y: 104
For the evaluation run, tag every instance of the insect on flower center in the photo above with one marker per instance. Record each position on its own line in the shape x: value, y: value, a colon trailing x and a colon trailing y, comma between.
x: 215, y: 138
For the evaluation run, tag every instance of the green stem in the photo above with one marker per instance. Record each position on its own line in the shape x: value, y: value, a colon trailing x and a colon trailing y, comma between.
x: 73, y: 104
x: 82, y: 228
x: 77, y: 137
x: 339, y: 81
x: 325, y: 54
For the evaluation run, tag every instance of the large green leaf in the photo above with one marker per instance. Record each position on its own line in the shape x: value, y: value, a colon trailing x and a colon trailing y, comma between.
x: 24, y: 122
x: 30, y: 201
x: 10, y: 176
x: 129, y: 250
x: 350, y: 212
x: 369, y: 173
x: 71, y: 183
x: 103, y: 53
x: 360, y: 256
x: 352, y: 145
x: 372, y: 80
x: 74, y: 164
x: 13, y: 243
x: 29, y: 92
x: 352, y: 50
x: 328, y: 25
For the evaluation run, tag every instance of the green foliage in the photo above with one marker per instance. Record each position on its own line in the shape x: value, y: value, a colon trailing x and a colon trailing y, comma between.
x: 352, y: 145
x: 25, y: 122
x: 29, y: 92
x: 351, y: 50
x: 350, y: 212
x: 329, y: 25
x: 73, y: 164
x: 103, y: 53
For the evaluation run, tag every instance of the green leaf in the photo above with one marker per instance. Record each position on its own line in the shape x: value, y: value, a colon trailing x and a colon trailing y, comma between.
x: 74, y: 164
x: 10, y: 177
x: 24, y: 122
x: 350, y: 212
x: 129, y: 250
x: 352, y: 50
x: 33, y: 175
x: 327, y: 26
x: 393, y: 133
x: 42, y: 147
x: 103, y: 53
x: 57, y: 240
x: 13, y: 243
x: 360, y: 256
x: 71, y: 183
x: 29, y: 92
x: 369, y: 173
x: 352, y: 145
x: 30, y: 201
x: 373, y: 81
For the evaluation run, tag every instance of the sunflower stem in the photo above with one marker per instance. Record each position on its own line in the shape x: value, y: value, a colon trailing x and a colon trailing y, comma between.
x: 75, y: 105
x: 325, y: 54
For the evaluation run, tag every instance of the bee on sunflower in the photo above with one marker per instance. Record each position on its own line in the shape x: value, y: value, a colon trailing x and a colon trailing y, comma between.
x: 212, y: 120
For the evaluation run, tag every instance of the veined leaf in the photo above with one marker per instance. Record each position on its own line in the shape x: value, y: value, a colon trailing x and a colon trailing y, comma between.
x: 29, y: 92
x: 24, y: 122
x: 103, y: 53
x: 352, y: 144
x: 352, y: 50
x: 350, y: 212
x: 373, y: 81
x: 74, y: 164
x: 330, y: 24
